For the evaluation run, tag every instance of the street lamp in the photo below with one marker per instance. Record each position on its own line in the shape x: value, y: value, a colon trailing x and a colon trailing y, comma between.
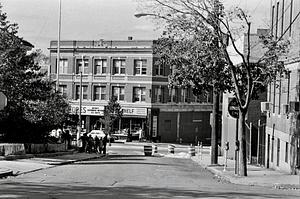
x: 138, y: 15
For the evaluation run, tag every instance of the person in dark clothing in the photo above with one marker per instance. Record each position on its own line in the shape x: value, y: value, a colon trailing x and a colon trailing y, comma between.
x: 90, y: 144
x: 97, y: 144
x: 101, y: 145
x: 84, y: 140
x: 104, y: 141
x: 67, y: 139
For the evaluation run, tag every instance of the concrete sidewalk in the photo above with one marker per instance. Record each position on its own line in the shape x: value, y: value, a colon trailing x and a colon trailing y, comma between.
x: 257, y: 176
x: 23, y: 165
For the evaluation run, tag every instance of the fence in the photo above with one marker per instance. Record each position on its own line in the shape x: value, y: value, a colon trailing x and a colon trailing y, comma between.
x: 44, y: 148
x: 255, y: 141
x: 11, y: 149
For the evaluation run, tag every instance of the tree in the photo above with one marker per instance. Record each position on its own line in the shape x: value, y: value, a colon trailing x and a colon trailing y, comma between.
x: 33, y: 107
x: 250, y: 75
x: 112, y: 113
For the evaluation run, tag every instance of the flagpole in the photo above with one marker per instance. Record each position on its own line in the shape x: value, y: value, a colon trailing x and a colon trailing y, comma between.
x: 58, y: 47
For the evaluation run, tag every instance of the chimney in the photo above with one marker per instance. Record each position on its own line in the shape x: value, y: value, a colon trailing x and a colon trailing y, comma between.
x: 262, y: 32
x: 130, y: 38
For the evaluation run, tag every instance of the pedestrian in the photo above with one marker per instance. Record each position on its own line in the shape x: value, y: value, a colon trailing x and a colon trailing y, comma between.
x: 97, y: 144
x: 90, y: 144
x: 68, y: 139
x: 84, y: 140
x: 100, y: 145
x: 140, y: 134
x: 104, y: 141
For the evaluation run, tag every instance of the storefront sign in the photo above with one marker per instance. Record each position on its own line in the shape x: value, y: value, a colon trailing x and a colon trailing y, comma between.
x: 134, y: 111
x: 88, y: 110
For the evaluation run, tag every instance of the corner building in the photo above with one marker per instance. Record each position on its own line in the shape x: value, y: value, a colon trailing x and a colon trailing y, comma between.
x: 127, y: 70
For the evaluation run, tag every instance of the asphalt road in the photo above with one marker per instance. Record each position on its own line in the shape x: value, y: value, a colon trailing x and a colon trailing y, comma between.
x: 126, y: 173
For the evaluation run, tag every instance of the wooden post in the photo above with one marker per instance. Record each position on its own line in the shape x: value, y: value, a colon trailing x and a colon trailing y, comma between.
x: 250, y: 143
x: 258, y: 145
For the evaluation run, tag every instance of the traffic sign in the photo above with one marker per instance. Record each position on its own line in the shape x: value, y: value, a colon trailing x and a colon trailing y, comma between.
x: 233, y: 108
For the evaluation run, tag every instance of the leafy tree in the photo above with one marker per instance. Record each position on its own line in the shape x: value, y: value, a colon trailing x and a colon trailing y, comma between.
x: 200, y: 17
x: 33, y: 107
x: 112, y: 113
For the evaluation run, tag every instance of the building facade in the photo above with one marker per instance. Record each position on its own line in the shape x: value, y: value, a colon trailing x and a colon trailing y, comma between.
x: 282, y: 105
x: 128, y: 71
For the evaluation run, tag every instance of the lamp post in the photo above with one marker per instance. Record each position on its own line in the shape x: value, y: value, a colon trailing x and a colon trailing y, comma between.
x: 80, y: 103
x: 58, y: 47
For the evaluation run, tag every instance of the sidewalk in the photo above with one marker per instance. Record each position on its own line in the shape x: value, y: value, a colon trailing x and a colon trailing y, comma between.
x: 257, y: 176
x: 42, y: 161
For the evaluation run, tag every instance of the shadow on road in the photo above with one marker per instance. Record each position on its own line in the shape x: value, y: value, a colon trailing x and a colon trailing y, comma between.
x: 27, y: 190
x: 122, y: 159
x: 120, y: 162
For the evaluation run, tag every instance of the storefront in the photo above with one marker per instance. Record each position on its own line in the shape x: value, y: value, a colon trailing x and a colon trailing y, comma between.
x: 132, y: 120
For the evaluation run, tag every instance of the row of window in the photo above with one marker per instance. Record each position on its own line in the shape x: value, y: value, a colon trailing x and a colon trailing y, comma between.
x: 286, y: 153
x: 164, y: 95
x: 100, y: 93
x: 279, y: 92
x: 100, y: 66
x: 159, y: 94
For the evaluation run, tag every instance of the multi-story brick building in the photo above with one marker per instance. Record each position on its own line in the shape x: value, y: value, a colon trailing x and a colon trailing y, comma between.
x: 127, y: 70
x: 282, y: 106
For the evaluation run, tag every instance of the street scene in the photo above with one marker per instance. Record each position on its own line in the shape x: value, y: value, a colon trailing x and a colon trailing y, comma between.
x: 127, y: 173
x: 149, y: 99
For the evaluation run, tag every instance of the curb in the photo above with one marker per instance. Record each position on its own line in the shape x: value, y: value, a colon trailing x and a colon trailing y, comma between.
x: 5, y: 173
x: 40, y: 155
x: 286, y: 186
x: 232, y: 180
x: 73, y: 161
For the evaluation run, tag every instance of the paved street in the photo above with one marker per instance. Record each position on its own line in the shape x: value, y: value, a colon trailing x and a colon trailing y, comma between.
x: 127, y: 173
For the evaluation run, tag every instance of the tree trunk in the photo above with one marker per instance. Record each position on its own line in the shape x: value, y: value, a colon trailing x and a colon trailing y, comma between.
x: 242, y: 142
x: 215, y: 128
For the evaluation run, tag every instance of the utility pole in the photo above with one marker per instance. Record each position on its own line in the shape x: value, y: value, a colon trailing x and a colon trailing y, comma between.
x: 58, y: 47
x: 80, y: 102
x: 216, y: 101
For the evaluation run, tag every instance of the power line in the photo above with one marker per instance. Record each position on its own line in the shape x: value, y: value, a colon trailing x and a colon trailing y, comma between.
x: 277, y: 24
x: 253, y: 11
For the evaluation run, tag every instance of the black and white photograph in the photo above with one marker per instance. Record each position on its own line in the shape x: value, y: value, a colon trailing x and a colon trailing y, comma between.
x: 138, y: 99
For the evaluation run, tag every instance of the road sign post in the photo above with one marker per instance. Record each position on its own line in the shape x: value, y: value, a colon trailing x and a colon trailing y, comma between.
x: 233, y: 110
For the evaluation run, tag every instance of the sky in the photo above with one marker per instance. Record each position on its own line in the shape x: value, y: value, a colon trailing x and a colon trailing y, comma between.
x: 97, y: 19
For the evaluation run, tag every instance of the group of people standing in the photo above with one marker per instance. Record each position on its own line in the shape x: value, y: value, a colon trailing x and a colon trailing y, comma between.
x: 96, y: 145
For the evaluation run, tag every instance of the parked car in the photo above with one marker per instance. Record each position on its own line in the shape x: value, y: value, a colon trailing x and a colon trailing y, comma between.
x: 101, y: 134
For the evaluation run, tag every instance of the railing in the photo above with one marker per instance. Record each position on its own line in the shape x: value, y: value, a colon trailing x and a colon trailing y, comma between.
x: 255, y: 141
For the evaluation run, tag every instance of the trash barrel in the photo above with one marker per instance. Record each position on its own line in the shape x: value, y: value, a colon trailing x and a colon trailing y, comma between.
x: 192, y: 151
x: 171, y: 148
x: 154, y: 149
x: 148, y: 150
